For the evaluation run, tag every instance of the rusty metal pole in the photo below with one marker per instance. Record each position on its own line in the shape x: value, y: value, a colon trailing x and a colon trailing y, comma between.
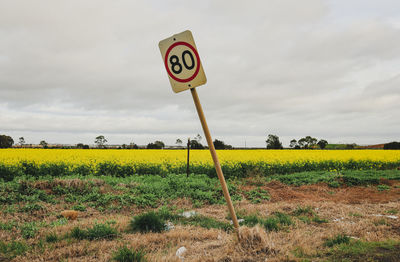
x: 215, y: 159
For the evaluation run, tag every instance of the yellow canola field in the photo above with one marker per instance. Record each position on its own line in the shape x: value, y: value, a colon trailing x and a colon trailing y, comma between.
x: 197, y: 157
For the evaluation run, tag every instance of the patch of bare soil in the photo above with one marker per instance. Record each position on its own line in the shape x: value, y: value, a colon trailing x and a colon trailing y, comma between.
x: 322, y: 192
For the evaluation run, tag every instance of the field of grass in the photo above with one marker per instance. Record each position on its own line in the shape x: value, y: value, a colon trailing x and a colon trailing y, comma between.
x: 347, y: 215
x: 235, y: 163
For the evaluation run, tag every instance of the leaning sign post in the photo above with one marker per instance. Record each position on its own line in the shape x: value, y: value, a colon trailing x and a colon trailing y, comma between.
x: 182, y: 62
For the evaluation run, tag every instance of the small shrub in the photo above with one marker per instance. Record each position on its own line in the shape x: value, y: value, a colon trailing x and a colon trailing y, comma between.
x: 124, y: 254
x: 148, y: 222
x: 337, y: 240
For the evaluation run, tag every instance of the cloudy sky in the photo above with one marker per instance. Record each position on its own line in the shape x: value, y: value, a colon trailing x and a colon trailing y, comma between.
x: 72, y: 70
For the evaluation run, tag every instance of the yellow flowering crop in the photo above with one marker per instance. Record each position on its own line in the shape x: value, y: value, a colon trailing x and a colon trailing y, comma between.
x: 174, y: 161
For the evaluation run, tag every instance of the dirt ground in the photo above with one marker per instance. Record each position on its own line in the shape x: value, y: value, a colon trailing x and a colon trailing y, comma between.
x: 359, y: 212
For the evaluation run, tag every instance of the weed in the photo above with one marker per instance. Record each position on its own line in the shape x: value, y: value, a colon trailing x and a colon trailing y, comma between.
x: 9, y: 250
x: 79, y: 207
x: 318, y: 220
x: 206, y: 222
x: 271, y: 224
x: 337, y: 240
x: 257, y: 195
x: 61, y: 221
x: 283, y: 218
x: 308, y: 211
x: 31, y: 207
x: 98, y: 231
x: 51, y: 238
x: 29, y: 230
x: 355, y: 214
x: 148, y: 222
x: 334, y: 184
x: 380, y: 222
x: 124, y: 254
x: 383, y: 187
x: 8, y: 226
x: 392, y: 211
x: 101, y: 231
x: 78, y: 233
x: 305, y: 219
x: 251, y: 220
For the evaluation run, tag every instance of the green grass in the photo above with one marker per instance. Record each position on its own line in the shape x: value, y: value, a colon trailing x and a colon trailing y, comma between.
x: 388, y: 251
x: 125, y: 254
x: 335, y: 179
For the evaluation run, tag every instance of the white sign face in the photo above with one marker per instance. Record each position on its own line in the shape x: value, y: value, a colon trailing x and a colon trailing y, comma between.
x: 182, y: 61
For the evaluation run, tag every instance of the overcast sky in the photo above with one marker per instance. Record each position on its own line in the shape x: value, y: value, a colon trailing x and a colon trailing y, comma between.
x: 73, y: 70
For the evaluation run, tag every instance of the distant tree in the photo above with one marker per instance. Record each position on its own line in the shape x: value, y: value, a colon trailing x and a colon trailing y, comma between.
x: 392, y: 145
x: 100, y: 141
x: 160, y: 144
x: 194, y: 144
x: 6, y: 141
x: 178, y: 142
x: 293, y: 143
x: 21, y: 141
x: 350, y: 146
x: 80, y: 145
x: 85, y: 147
x: 43, y: 144
x: 302, y: 143
x: 133, y: 146
x: 307, y: 142
x: 156, y: 145
x: 198, y: 138
x: 218, y: 144
x: 322, y: 143
x: 273, y: 142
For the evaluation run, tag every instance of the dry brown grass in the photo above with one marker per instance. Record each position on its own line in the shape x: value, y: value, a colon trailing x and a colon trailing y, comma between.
x: 357, y: 219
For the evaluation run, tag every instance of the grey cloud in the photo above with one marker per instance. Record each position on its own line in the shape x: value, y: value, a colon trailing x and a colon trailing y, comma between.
x: 293, y: 68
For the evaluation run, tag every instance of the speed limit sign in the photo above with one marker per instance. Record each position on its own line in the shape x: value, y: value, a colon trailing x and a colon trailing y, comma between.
x: 182, y: 61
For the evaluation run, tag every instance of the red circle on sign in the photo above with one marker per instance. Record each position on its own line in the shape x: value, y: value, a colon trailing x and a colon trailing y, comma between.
x: 197, y: 59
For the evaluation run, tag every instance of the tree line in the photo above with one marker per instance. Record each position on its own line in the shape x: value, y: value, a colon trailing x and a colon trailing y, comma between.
x: 272, y: 142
